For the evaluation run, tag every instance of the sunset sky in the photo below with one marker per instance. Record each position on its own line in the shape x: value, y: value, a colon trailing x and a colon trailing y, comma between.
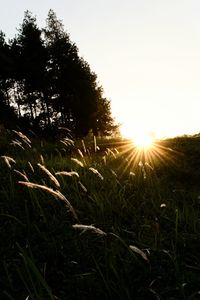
x: 146, y: 54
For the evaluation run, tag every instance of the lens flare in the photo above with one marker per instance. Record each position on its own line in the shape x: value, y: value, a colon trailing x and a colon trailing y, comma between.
x: 143, y: 141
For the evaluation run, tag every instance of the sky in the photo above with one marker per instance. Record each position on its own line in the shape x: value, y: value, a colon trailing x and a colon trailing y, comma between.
x: 146, y: 54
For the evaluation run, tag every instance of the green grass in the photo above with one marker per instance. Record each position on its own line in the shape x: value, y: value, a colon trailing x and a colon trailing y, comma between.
x: 144, y: 211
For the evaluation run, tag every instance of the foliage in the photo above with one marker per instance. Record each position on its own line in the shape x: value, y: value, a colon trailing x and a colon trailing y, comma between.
x: 134, y: 233
x: 49, y: 85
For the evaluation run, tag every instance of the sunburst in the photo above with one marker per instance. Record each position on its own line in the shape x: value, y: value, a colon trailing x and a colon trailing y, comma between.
x: 143, y: 141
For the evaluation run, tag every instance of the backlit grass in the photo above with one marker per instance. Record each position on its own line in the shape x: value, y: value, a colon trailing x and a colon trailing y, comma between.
x: 98, y: 220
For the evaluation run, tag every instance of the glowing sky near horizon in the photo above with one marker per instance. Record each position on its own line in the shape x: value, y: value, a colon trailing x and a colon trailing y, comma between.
x: 146, y: 54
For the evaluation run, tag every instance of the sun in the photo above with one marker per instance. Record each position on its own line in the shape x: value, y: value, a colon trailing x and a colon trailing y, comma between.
x: 141, y: 137
x: 143, y: 140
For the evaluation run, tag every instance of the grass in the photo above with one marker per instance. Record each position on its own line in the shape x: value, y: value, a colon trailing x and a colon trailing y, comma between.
x: 82, y: 222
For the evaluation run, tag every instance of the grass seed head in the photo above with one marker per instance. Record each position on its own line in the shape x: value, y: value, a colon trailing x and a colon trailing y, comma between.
x: 109, y: 152
x: 95, y: 171
x: 42, y: 159
x: 116, y: 151
x: 80, y: 153
x: 24, y: 176
x: 140, y: 164
x: 25, y: 139
x: 78, y: 162
x: 104, y: 159
x: 67, y: 141
x: 57, y: 194
x: 8, y: 160
x: 148, y: 165
x: 31, y: 167
x: 132, y: 174
x: 70, y: 174
x: 138, y: 251
x: 50, y: 175
x: 90, y: 228
x: 82, y: 187
x: 113, y: 173
x: 83, y: 144
x: 95, y: 144
x: 17, y: 143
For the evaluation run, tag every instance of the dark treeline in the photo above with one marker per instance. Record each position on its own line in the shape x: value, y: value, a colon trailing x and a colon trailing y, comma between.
x: 44, y: 84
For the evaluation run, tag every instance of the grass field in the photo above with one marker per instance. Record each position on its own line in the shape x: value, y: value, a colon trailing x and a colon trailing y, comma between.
x: 99, y: 219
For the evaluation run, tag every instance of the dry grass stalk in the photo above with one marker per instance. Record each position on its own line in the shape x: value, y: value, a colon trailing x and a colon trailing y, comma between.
x: 90, y: 228
x: 116, y: 151
x: 95, y: 171
x: 57, y: 194
x: 23, y: 137
x: 8, y: 160
x: 17, y: 143
x: 132, y: 174
x: 95, y: 144
x: 70, y: 174
x: 24, y: 176
x: 110, y: 152
x: 148, y: 165
x: 50, y: 175
x: 114, y: 173
x: 104, y: 159
x: 67, y: 142
x: 84, y: 148
x: 80, y: 153
x: 140, y: 164
x: 78, y: 162
x: 138, y: 251
x: 42, y: 159
x: 82, y: 187
x: 31, y: 167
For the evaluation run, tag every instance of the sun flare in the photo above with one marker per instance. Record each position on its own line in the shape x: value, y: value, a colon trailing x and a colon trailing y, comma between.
x: 143, y: 141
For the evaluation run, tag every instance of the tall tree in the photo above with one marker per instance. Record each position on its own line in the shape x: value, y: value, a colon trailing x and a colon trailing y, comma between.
x: 50, y: 84
x: 30, y: 64
x: 74, y: 85
x: 5, y: 69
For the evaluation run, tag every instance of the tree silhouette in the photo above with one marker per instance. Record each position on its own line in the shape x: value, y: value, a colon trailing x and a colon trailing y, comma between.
x: 73, y: 83
x: 5, y: 70
x: 30, y: 62
x: 48, y: 83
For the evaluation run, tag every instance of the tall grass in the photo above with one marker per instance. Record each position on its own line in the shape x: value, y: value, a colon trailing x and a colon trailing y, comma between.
x: 86, y: 220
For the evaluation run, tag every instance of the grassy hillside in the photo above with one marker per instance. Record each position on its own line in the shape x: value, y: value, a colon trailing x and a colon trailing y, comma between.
x: 99, y: 219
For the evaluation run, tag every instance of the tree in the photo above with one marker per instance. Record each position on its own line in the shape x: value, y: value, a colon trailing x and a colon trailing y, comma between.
x: 30, y: 62
x: 5, y: 70
x: 76, y: 93
x: 50, y: 84
x: 103, y: 122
